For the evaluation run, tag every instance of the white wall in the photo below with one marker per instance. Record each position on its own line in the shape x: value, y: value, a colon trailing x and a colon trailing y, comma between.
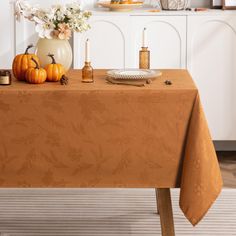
x: 7, y: 34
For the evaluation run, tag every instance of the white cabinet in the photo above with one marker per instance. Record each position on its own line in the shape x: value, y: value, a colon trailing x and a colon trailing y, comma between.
x: 116, y: 41
x: 212, y: 62
x: 166, y: 39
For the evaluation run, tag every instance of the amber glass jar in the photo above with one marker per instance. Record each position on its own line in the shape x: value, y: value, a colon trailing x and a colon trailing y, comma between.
x: 5, y: 77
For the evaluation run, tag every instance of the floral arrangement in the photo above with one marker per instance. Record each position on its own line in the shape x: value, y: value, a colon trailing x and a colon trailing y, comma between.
x: 59, y: 21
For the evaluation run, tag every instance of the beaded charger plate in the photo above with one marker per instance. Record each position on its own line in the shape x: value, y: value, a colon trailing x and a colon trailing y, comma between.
x: 133, y: 74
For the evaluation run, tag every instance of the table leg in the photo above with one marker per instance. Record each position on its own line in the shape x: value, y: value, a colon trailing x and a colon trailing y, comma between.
x: 165, y: 210
x: 157, y: 201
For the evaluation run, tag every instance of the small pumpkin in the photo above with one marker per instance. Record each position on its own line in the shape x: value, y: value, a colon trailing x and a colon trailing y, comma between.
x: 54, y: 70
x: 35, y: 75
x: 22, y: 62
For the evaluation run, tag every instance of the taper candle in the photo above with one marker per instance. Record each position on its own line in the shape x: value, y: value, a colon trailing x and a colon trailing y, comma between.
x: 87, y: 51
x: 144, y: 38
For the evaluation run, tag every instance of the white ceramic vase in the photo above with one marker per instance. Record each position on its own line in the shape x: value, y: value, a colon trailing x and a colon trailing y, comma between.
x: 60, y: 48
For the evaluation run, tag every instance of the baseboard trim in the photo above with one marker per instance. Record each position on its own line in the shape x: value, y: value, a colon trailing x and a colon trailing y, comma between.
x: 225, y: 145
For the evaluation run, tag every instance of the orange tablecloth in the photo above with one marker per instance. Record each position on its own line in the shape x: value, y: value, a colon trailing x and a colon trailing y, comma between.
x: 102, y: 135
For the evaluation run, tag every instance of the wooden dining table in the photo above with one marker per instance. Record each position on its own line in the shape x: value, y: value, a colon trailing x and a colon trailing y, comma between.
x: 103, y: 135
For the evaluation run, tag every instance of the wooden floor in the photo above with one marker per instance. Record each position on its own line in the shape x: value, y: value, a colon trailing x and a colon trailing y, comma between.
x: 228, y: 168
x: 104, y: 212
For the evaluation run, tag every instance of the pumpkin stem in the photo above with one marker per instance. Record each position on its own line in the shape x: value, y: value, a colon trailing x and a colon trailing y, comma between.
x: 27, y: 49
x: 37, y: 64
x: 53, y: 58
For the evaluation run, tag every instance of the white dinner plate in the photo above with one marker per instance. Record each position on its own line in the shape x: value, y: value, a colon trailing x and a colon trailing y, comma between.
x: 133, y: 74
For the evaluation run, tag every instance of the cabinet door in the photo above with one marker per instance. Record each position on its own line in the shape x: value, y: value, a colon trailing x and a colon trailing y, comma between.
x: 212, y: 63
x: 166, y: 39
x: 108, y: 37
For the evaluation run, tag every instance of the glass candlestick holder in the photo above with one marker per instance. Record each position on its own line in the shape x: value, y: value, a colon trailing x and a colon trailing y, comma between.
x: 144, y: 58
x: 87, y: 73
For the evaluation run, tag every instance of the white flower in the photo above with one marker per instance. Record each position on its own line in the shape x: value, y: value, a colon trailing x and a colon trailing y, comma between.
x: 58, y: 21
x: 43, y: 31
x: 60, y: 16
x: 50, y: 14
x: 75, y: 6
x: 37, y: 20
x: 60, y: 12
x: 21, y: 6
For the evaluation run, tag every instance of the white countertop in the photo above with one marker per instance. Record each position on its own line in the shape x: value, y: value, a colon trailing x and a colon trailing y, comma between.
x: 145, y: 11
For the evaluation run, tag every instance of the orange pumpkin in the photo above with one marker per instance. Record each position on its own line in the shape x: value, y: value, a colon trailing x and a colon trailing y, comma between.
x: 22, y: 62
x: 35, y: 75
x: 54, y: 70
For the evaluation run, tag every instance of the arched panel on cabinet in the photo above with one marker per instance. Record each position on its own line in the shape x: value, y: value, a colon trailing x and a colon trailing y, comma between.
x: 107, y: 46
x: 166, y: 39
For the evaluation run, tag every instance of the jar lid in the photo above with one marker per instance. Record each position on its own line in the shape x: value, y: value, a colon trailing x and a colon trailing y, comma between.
x: 5, y: 73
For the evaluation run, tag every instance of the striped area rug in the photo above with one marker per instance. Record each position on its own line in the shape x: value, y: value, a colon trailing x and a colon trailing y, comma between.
x: 102, y: 212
